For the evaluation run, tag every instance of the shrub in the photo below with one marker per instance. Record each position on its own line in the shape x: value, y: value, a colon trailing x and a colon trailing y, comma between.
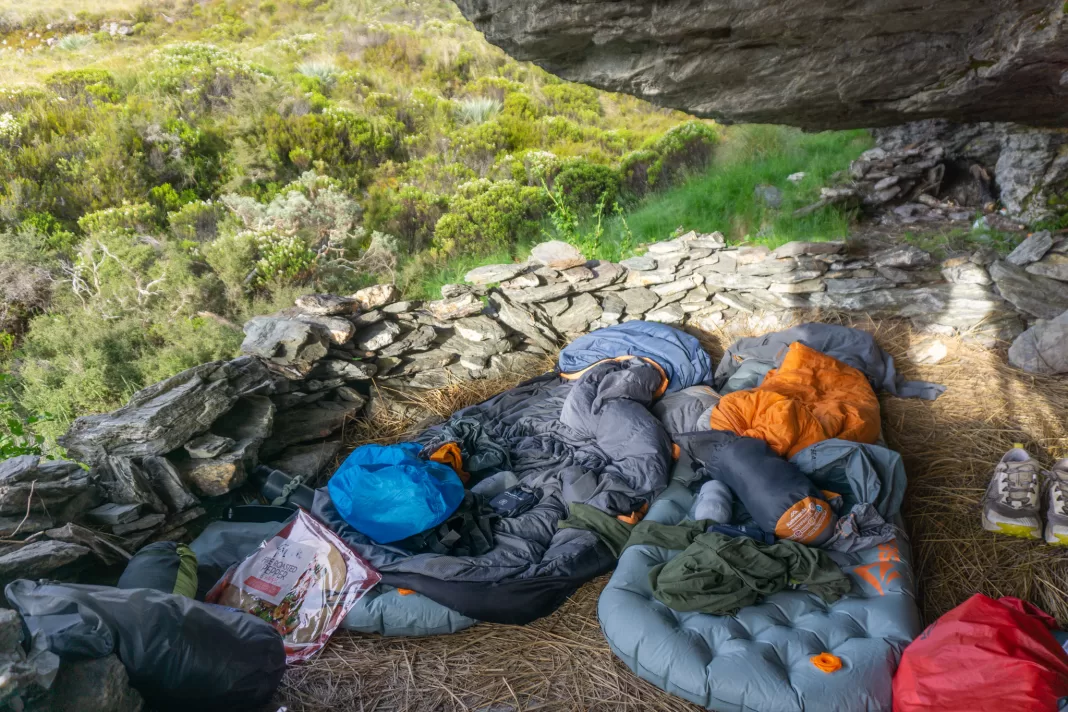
x: 489, y: 215
x: 123, y: 218
x: 664, y: 161
x: 71, y: 83
x: 409, y: 212
x: 197, y: 221
x: 577, y: 101
x: 283, y: 259
x: 583, y: 185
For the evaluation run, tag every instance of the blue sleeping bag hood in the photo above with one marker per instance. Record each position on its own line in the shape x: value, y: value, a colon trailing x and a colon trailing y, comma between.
x: 678, y: 353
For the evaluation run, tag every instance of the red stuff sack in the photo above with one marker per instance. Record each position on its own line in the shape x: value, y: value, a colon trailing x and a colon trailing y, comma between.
x: 984, y: 656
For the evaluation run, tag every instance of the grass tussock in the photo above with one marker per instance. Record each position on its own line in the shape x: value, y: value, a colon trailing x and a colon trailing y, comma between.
x: 562, y: 662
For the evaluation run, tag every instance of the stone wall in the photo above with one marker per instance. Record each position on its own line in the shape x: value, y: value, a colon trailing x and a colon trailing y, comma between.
x: 310, y: 369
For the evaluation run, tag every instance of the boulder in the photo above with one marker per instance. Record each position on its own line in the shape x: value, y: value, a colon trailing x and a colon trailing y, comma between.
x: 584, y: 309
x: 1032, y: 294
x: 419, y: 339
x: 332, y: 368
x: 1032, y: 249
x: 555, y: 307
x: 61, y: 490
x: 365, y: 319
x: 377, y: 336
x: 904, y: 256
x: 779, y: 62
x: 1043, y: 348
x: 532, y: 328
x: 709, y: 318
x: 93, y: 685
x: 965, y: 272
x: 39, y: 559
x: 612, y: 307
x: 292, y: 344
x: 449, y: 291
x: 326, y: 304
x: 376, y: 296
x: 339, y: 329
x: 491, y: 274
x: 670, y: 314
x: 577, y: 274
x: 455, y: 307
x: 1053, y: 265
x: 309, y: 422
x: 307, y: 461
x: 639, y: 300
x: 639, y: 264
x: 479, y: 328
x: 518, y: 363
x: 557, y: 255
x: 247, y: 426
x: 523, y: 281
x: 667, y: 247
x: 207, y: 445
x: 456, y: 344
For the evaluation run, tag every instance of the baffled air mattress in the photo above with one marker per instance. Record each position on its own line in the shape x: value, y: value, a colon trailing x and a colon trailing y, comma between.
x: 761, y: 658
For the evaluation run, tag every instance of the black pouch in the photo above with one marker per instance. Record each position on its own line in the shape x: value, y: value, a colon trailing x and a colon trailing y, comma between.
x: 514, y: 502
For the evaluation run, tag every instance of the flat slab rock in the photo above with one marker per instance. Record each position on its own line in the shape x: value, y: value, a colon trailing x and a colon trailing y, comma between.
x: 1032, y: 249
x: 793, y: 249
x: 39, y: 559
x: 1043, y: 348
x: 556, y: 254
x: 376, y: 296
x: 1030, y: 293
x: 326, y: 304
x: 490, y: 274
x: 455, y: 307
x: 286, y: 342
x: 167, y: 414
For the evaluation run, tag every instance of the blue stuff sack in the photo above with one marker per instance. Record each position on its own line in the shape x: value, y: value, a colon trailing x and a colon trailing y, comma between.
x: 389, y: 493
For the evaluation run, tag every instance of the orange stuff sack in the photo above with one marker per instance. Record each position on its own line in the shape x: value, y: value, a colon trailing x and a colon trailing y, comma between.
x: 809, y: 398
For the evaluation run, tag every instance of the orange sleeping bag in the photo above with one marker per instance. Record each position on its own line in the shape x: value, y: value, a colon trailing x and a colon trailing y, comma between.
x: 809, y: 398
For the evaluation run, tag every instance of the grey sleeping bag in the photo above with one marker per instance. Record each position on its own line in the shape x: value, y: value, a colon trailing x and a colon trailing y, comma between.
x: 590, y: 440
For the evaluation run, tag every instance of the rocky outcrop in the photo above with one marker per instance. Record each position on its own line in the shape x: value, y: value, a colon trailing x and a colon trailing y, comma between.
x: 1026, y: 169
x: 817, y: 64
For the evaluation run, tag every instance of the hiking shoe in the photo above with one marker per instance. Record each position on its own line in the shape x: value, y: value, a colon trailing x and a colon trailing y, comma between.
x: 1057, y: 513
x: 1011, y: 503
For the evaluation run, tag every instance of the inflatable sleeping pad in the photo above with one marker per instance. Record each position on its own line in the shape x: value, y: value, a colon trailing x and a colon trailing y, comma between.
x: 761, y: 658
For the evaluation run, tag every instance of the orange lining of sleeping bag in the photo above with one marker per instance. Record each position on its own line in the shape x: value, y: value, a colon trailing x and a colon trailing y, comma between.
x: 811, y: 397
x: 449, y: 454
x: 663, y: 374
x: 636, y: 516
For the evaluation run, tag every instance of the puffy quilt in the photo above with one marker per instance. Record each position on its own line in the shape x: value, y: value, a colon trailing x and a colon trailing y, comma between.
x: 811, y: 397
x: 677, y: 353
x: 762, y: 658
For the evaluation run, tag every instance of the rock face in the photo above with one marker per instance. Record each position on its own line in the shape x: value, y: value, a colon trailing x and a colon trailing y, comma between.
x: 816, y: 64
x: 1043, y: 348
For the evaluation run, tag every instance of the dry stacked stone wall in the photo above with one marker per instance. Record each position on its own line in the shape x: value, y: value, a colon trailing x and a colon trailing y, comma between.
x: 307, y: 371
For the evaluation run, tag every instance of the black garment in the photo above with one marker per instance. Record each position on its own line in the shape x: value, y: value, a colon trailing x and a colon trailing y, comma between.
x: 180, y: 654
x: 482, y: 455
x: 467, y: 532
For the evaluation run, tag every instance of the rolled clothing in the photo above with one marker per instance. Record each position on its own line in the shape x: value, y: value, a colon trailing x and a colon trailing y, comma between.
x: 714, y: 502
x: 777, y: 495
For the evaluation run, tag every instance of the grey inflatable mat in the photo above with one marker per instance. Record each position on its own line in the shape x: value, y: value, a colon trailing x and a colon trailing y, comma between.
x: 760, y: 659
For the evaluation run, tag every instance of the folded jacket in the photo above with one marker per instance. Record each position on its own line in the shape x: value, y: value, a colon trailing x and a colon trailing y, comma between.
x: 719, y: 574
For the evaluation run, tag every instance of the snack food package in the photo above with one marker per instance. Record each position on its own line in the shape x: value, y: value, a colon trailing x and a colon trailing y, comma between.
x: 303, y: 581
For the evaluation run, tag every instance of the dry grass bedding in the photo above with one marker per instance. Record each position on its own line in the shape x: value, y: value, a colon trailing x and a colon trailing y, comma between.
x: 562, y: 662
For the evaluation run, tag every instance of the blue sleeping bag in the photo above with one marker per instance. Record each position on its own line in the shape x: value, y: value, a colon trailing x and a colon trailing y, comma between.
x: 389, y: 493
x: 680, y: 355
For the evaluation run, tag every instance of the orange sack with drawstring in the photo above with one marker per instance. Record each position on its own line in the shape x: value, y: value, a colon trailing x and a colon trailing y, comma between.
x: 811, y: 397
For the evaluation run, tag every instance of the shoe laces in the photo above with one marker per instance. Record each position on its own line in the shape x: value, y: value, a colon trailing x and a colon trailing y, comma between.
x: 1019, y: 483
x: 1058, y: 491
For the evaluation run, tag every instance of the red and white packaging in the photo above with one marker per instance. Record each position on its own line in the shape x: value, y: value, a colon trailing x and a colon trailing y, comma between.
x: 303, y: 581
